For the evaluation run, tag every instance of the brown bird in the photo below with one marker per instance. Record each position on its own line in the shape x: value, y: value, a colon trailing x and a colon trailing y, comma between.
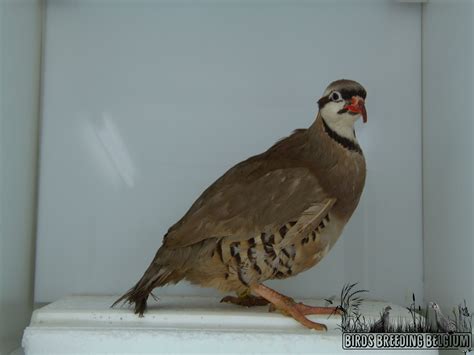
x: 271, y: 216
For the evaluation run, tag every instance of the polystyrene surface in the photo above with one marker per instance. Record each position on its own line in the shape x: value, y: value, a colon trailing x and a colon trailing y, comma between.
x: 87, y: 324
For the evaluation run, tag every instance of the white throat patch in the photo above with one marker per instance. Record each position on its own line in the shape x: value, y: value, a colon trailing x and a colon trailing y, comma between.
x: 343, y: 126
x: 341, y: 123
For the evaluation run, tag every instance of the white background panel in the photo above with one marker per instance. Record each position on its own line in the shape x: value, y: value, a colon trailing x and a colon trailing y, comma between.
x: 448, y: 160
x: 147, y: 103
x: 20, y: 45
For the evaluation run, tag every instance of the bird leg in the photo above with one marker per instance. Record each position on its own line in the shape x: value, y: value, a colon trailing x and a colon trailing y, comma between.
x: 289, y: 307
x: 308, y: 310
x: 245, y: 299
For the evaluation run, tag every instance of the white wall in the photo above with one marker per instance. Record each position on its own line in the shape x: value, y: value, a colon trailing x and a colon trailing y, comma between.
x: 20, y: 39
x: 147, y: 103
x: 448, y: 159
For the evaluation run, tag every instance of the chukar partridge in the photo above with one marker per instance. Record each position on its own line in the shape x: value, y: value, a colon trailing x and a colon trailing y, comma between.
x: 271, y: 216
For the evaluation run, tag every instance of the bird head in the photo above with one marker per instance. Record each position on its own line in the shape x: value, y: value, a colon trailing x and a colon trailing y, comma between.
x: 434, y: 306
x: 388, y: 309
x: 342, y: 103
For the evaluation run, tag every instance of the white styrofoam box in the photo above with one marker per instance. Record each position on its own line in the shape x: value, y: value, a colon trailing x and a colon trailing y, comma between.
x: 87, y: 325
x: 145, y: 103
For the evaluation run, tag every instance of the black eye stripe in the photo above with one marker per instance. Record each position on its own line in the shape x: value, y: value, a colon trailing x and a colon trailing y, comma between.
x: 323, y: 101
x: 345, y: 93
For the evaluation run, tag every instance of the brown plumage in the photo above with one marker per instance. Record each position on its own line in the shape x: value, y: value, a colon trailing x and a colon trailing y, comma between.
x: 271, y: 216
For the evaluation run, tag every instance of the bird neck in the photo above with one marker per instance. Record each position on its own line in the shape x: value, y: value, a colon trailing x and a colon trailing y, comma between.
x: 341, y: 133
x: 336, y: 160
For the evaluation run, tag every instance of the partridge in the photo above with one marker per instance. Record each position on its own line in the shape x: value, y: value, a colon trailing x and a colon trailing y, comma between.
x: 445, y: 325
x: 271, y: 216
x: 383, y: 324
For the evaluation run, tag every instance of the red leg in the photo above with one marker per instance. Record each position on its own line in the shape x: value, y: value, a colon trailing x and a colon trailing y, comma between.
x: 288, y: 306
x: 306, y: 310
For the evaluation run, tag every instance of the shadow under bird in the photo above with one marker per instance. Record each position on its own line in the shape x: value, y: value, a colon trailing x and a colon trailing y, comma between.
x: 271, y: 216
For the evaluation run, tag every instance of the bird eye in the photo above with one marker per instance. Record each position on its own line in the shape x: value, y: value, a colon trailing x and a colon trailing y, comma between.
x: 335, y: 96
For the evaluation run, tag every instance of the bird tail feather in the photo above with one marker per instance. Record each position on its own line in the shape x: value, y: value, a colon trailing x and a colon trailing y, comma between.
x: 154, y: 276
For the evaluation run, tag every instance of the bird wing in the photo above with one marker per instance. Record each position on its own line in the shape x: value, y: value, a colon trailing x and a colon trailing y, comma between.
x: 256, y: 196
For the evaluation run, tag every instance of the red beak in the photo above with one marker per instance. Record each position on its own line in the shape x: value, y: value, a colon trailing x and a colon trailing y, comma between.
x: 358, y: 105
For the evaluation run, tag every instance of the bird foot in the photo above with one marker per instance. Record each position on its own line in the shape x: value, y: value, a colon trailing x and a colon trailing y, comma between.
x: 246, y: 301
x: 289, y: 307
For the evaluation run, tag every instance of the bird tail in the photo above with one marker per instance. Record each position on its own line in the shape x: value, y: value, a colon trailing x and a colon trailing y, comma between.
x: 155, y: 276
